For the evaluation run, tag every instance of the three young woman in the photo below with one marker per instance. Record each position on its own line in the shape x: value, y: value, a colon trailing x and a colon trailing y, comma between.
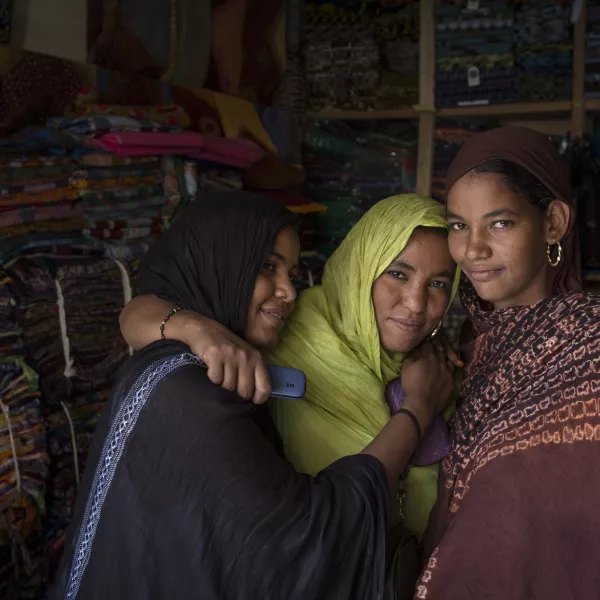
x: 516, y: 516
x: 187, y: 493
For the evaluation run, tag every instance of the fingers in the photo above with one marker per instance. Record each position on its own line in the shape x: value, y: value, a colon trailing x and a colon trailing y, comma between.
x: 216, y: 370
x: 262, y: 382
x: 240, y: 370
x: 443, y: 345
x: 230, y: 379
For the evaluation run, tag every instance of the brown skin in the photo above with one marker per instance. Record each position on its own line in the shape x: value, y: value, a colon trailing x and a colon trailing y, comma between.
x: 272, y: 301
x: 500, y: 240
x: 274, y: 292
x: 412, y: 295
x: 415, y: 288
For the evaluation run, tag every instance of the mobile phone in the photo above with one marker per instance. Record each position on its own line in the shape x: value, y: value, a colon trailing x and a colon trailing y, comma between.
x: 287, y: 383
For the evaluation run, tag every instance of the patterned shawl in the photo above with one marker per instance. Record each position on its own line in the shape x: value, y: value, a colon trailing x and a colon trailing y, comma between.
x: 517, y: 516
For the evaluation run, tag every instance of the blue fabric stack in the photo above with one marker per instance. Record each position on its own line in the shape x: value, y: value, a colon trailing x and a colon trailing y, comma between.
x: 475, y: 60
x: 544, y: 43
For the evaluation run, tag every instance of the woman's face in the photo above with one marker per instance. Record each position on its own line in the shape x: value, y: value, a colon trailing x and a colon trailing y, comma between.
x: 499, y: 240
x: 274, y: 292
x: 411, y: 296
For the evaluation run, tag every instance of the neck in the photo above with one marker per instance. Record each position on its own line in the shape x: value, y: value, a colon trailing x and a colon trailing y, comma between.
x: 529, y: 297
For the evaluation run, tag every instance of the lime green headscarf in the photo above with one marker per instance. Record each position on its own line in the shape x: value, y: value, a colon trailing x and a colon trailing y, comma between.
x: 332, y: 336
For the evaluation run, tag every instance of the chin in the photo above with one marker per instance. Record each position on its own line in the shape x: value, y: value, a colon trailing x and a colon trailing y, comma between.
x: 263, y: 341
x: 489, y: 293
x: 402, y: 346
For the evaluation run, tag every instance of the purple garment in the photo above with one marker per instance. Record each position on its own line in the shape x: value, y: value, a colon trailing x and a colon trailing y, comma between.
x: 436, y: 444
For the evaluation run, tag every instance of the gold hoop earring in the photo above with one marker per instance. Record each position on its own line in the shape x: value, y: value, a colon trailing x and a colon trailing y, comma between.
x: 554, y: 263
x: 436, y: 330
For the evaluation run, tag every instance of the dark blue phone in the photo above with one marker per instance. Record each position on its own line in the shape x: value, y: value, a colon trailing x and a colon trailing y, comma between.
x: 287, y: 383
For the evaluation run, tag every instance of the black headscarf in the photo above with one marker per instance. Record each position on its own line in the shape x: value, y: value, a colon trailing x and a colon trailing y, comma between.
x: 209, y: 259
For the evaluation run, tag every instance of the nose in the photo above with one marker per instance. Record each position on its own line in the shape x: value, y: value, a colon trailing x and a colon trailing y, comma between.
x: 286, y: 290
x: 477, y: 247
x: 415, y: 298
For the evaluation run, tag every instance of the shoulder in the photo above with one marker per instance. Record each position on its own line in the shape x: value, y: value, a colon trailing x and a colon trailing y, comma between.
x: 577, y: 312
x: 166, y: 374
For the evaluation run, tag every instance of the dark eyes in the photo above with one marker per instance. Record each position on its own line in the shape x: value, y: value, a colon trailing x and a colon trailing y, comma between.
x: 456, y: 226
x: 495, y: 225
x: 401, y: 276
x: 272, y: 268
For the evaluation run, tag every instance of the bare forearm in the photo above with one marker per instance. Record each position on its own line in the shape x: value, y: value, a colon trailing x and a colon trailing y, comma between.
x: 141, y: 318
x: 397, y: 442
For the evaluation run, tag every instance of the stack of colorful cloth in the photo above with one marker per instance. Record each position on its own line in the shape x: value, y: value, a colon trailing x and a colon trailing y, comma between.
x: 68, y: 309
x: 592, y: 56
x: 475, y: 58
x: 349, y: 168
x: 23, y: 461
x: 361, y: 55
x: 544, y: 46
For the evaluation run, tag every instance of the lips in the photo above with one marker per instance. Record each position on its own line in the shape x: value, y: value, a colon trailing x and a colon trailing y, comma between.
x: 408, y: 325
x: 276, y: 316
x: 483, y: 274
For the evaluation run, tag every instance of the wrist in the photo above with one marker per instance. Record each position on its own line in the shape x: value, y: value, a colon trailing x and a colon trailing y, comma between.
x: 178, y: 325
x: 419, y: 407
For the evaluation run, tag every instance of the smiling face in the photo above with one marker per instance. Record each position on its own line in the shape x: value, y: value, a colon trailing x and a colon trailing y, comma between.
x: 412, y: 295
x: 274, y: 292
x: 499, y: 240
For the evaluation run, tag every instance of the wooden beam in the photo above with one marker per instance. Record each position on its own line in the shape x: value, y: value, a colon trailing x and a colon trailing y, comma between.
x: 426, y: 96
x: 397, y: 113
x: 578, y: 101
x: 517, y: 108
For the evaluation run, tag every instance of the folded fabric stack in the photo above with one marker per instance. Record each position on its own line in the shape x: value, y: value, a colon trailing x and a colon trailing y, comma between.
x: 592, y: 56
x: 544, y: 45
x: 120, y: 198
x: 361, y: 55
x: 349, y: 168
x: 475, y: 59
x: 23, y: 461
x: 68, y: 309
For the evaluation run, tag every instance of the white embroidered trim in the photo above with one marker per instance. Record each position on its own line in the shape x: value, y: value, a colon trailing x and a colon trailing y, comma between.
x: 112, y: 451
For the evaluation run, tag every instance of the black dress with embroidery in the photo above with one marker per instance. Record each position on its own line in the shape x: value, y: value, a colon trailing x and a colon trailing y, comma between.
x: 186, y: 495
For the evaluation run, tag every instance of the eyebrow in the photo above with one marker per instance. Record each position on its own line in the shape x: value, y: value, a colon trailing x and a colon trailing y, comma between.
x: 404, y: 265
x: 495, y: 213
x: 283, y: 259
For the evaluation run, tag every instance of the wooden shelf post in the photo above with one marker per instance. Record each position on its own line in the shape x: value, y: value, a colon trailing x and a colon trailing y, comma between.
x: 427, y: 115
x: 579, y: 49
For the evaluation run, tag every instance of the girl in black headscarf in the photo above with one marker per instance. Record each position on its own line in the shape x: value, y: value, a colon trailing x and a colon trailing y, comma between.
x: 186, y: 493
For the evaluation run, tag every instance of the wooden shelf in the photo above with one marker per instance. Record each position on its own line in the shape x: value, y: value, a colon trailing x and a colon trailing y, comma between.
x: 518, y: 108
x: 592, y: 104
x: 399, y: 113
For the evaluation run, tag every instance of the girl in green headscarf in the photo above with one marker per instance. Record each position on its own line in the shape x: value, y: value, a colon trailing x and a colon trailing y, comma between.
x: 384, y: 290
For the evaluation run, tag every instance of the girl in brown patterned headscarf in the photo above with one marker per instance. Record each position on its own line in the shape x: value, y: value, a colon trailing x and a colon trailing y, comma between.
x: 517, y: 514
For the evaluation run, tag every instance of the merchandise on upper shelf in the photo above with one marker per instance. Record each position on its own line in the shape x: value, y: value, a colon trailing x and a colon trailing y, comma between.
x: 592, y: 51
x: 544, y: 49
x: 475, y: 57
x: 362, y: 55
x: 349, y: 168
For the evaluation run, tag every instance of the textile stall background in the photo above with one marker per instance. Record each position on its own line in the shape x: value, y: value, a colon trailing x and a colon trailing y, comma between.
x: 232, y: 46
x: 74, y: 220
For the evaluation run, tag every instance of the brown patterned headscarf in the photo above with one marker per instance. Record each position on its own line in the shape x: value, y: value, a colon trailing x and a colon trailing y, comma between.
x: 537, y: 154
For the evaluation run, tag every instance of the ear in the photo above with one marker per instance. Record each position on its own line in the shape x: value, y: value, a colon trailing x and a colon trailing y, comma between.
x: 558, y: 217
